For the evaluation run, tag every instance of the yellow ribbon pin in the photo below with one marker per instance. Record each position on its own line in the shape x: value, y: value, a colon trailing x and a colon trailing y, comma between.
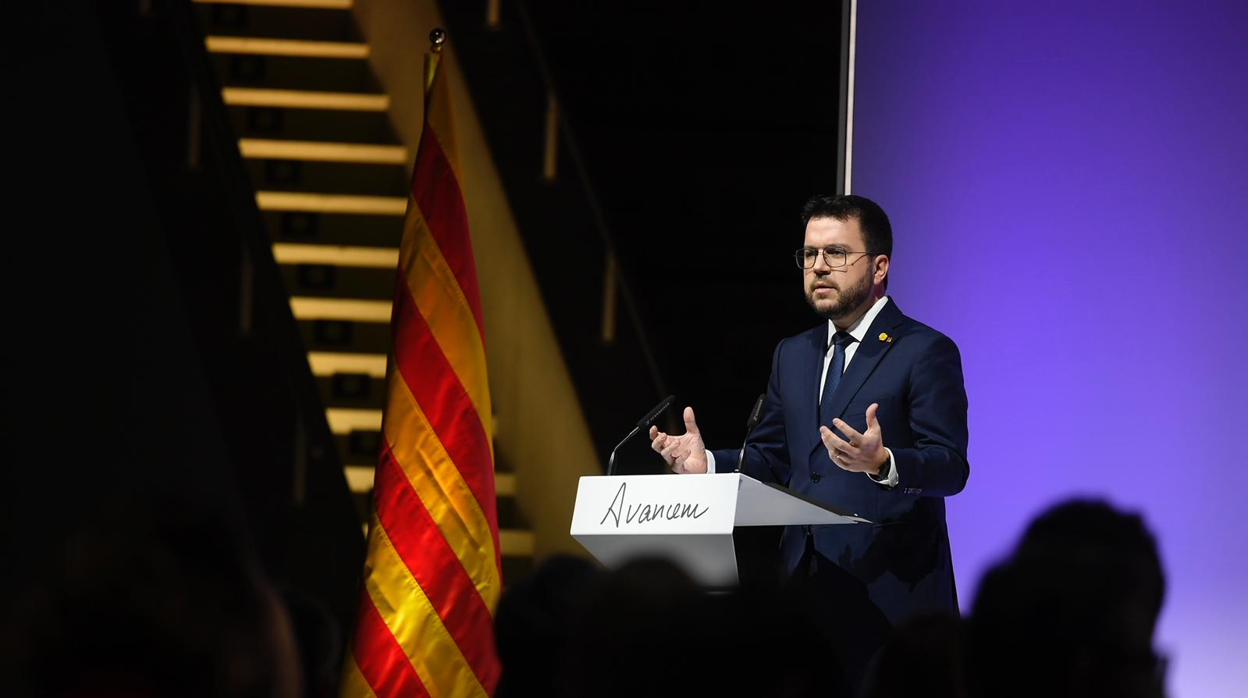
x: 883, y: 336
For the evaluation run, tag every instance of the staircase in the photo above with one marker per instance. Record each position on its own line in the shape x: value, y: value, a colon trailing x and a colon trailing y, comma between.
x: 330, y: 180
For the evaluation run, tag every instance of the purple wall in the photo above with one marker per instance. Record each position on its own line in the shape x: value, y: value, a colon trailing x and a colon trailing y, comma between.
x: 1068, y: 193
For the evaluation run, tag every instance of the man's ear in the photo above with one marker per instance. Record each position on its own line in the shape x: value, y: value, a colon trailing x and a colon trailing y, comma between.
x: 880, y: 268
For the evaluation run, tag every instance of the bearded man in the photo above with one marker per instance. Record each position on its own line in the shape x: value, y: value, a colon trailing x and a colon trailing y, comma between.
x: 866, y: 412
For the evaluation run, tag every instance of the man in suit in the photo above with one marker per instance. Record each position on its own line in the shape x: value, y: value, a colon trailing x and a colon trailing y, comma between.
x: 866, y: 412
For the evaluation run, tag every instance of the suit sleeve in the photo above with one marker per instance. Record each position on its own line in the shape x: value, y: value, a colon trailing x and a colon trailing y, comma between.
x: 767, y: 451
x: 936, y: 465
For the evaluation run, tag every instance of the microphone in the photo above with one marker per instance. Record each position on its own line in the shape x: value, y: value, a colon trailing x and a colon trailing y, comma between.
x: 644, y: 423
x: 756, y: 416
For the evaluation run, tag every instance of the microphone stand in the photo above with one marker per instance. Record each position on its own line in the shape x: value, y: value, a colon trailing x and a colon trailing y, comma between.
x: 645, y: 423
x: 756, y: 416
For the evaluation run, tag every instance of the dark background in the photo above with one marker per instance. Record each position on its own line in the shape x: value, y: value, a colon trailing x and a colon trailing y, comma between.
x: 702, y: 128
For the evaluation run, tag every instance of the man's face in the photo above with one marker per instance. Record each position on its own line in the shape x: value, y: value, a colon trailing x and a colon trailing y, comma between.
x: 837, y: 294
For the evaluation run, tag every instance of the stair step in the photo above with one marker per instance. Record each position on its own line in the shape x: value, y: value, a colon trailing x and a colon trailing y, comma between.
x: 331, y: 177
x: 331, y: 203
x: 516, y: 543
x: 317, y: 4
x: 319, y: 151
x: 296, y: 73
x: 353, y: 309
x: 343, y: 420
x: 360, y: 478
x: 331, y: 184
x: 276, y: 21
x: 305, y: 99
x: 255, y: 46
x: 338, y: 255
x: 505, y: 484
x: 328, y: 363
x: 317, y: 125
x: 333, y: 229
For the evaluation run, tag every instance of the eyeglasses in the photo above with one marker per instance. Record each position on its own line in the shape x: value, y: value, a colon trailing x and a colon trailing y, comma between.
x: 834, y: 257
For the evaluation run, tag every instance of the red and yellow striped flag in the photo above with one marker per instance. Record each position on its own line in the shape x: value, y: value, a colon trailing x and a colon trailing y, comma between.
x: 432, y: 576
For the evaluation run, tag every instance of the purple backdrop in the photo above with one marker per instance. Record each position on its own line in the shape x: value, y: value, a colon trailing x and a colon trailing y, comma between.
x: 1067, y: 187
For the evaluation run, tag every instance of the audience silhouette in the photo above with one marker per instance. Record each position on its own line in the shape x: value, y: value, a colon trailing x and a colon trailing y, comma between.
x: 153, y: 599
x: 1072, y: 611
x: 160, y: 600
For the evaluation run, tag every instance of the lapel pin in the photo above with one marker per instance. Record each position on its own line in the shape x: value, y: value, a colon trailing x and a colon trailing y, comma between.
x: 885, y: 338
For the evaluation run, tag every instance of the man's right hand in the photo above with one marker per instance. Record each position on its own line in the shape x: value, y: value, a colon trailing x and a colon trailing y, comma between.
x: 683, y: 454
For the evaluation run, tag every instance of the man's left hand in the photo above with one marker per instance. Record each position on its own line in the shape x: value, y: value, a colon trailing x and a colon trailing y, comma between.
x: 857, y: 453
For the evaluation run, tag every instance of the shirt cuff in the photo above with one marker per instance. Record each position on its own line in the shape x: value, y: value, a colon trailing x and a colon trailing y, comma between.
x: 710, y: 461
x: 890, y: 481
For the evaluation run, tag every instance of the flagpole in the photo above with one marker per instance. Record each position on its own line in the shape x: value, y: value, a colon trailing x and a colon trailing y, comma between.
x: 437, y: 38
x: 432, y: 577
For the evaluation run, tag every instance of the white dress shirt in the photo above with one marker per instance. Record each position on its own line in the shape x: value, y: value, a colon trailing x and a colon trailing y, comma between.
x: 858, y: 330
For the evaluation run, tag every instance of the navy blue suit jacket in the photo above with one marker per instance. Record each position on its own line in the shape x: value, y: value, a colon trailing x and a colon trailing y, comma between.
x: 903, y: 557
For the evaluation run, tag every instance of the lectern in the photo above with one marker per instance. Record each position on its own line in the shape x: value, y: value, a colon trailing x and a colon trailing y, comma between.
x: 688, y: 519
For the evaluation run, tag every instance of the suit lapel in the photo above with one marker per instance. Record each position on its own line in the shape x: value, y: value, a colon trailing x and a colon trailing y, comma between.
x: 814, y: 369
x: 866, y: 356
x: 806, y: 385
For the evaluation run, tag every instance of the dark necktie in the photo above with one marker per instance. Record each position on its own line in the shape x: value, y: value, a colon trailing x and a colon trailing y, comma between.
x: 836, y: 367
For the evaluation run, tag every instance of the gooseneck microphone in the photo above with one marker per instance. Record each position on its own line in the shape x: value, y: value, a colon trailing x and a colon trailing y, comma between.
x: 756, y: 416
x: 645, y: 423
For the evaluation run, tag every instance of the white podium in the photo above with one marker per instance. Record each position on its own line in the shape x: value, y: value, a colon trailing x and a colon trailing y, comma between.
x: 688, y: 519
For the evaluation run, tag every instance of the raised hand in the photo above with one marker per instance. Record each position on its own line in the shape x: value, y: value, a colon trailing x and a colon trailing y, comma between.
x: 685, y: 453
x: 857, y: 453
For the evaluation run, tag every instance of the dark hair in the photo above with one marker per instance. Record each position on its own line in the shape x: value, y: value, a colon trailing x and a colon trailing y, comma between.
x: 877, y: 233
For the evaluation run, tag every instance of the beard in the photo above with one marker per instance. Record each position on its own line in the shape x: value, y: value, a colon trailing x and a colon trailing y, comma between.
x: 847, y: 300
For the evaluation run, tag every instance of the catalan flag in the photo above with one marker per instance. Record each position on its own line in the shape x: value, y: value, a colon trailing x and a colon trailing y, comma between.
x: 432, y: 576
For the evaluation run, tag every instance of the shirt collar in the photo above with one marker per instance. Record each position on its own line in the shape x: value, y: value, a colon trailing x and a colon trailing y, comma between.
x: 858, y: 330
